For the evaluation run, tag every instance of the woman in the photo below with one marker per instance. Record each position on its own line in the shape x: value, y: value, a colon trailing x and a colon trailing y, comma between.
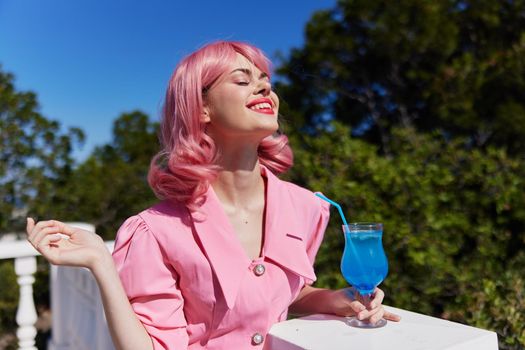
x: 230, y: 248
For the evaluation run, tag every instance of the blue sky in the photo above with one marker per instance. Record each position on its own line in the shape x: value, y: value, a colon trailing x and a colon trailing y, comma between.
x: 90, y: 61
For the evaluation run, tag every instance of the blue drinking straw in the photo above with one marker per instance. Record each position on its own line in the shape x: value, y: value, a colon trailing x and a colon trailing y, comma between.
x: 335, y: 205
x: 345, y: 227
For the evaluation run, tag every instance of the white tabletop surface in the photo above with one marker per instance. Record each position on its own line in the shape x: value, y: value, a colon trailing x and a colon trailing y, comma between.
x: 414, y: 332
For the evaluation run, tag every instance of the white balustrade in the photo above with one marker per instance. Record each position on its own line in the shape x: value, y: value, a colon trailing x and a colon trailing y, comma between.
x: 26, y: 314
x: 25, y: 266
x: 79, y: 321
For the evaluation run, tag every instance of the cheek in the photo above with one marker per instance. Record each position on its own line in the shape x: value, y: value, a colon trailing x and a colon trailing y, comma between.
x: 275, y: 99
x: 225, y: 110
x: 228, y: 101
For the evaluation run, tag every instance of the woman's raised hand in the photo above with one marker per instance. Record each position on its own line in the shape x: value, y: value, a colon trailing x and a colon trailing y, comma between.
x: 62, y: 244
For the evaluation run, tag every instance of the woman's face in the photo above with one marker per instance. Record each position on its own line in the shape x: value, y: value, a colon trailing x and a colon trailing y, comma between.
x: 241, y: 103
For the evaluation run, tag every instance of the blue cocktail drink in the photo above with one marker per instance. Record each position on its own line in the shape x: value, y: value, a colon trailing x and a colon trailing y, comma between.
x: 364, y: 264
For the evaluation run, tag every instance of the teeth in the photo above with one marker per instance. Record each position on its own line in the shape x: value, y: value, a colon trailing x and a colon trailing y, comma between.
x: 264, y: 105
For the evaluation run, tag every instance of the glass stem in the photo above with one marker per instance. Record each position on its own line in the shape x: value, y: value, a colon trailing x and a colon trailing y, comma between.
x: 366, y: 299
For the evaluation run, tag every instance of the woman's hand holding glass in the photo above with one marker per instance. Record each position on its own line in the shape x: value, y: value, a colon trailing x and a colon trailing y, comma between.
x: 348, y: 302
x: 364, y: 266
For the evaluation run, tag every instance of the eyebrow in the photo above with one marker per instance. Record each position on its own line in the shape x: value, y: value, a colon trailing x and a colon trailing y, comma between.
x: 248, y: 72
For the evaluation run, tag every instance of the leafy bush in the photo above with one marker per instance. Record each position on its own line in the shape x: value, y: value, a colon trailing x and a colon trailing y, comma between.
x: 497, y: 305
x: 8, y: 296
x: 453, y: 215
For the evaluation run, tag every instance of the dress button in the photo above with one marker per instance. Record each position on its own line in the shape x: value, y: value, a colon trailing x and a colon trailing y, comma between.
x: 257, y: 338
x: 259, y: 269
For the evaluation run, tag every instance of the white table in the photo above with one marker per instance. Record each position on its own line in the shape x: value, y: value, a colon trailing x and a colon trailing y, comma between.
x: 414, y: 331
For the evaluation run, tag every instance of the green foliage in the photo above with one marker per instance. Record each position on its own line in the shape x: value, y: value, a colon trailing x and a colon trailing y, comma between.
x: 8, y: 295
x: 452, y: 214
x: 111, y: 184
x: 35, y: 155
x: 498, y: 304
x: 457, y: 66
x: 39, y: 178
x: 35, y: 162
x: 435, y: 88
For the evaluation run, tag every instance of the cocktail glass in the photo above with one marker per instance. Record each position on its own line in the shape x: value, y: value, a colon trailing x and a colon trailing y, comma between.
x: 364, y: 264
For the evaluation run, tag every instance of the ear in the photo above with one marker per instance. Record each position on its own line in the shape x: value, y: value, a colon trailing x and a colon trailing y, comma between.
x: 205, y: 115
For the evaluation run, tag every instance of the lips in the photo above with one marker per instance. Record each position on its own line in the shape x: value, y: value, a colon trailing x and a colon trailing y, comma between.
x: 261, y: 105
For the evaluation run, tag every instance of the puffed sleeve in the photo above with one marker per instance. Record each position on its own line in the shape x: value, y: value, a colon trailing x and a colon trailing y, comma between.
x: 316, y: 238
x: 150, y: 284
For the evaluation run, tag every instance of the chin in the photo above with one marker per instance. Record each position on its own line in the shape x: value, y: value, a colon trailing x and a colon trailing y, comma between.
x: 270, y: 129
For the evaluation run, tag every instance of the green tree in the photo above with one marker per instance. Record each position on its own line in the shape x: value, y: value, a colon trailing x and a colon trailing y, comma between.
x: 454, y: 221
x: 455, y: 66
x: 35, y: 154
x: 111, y: 184
x: 38, y: 177
x: 434, y: 92
x: 35, y: 161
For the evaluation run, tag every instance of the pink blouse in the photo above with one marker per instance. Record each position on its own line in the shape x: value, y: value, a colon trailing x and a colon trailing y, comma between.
x: 191, y: 283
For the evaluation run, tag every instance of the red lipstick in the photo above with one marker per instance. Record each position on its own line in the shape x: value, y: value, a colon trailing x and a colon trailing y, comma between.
x: 261, y: 110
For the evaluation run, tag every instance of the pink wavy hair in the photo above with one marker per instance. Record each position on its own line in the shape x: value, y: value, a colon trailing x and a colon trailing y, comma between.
x: 185, y: 166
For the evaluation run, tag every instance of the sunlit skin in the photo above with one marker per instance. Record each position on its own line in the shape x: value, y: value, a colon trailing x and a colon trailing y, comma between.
x: 226, y: 106
x: 237, y: 131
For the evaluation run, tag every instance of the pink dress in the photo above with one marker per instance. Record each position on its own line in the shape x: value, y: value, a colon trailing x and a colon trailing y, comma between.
x: 191, y: 283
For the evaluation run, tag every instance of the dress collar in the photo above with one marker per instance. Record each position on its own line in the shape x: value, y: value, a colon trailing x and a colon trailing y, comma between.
x: 282, y: 243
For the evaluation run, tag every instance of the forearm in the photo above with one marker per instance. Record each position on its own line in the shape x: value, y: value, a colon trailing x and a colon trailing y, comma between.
x: 125, y: 328
x: 312, y: 300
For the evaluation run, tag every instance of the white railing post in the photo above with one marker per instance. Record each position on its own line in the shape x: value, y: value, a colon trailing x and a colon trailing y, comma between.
x: 63, y: 292
x: 26, y: 315
x: 59, y: 307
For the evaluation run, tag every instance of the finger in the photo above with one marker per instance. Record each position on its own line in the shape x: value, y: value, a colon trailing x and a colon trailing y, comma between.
x: 357, y: 307
x: 65, y: 229
x: 30, y: 224
x: 379, y: 295
x: 40, y: 226
x: 48, y: 249
x: 377, y: 316
x: 51, y: 240
x: 55, y: 238
x: 37, y: 238
x: 57, y: 226
x: 391, y: 316
x: 367, y: 313
x: 44, y: 223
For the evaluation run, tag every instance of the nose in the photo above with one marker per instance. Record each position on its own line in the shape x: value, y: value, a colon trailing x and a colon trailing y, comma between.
x: 263, y: 87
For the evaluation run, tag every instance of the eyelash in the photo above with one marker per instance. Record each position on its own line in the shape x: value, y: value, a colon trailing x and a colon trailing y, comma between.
x: 243, y: 83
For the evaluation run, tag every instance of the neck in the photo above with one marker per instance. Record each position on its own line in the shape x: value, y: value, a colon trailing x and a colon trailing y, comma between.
x: 239, y: 185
